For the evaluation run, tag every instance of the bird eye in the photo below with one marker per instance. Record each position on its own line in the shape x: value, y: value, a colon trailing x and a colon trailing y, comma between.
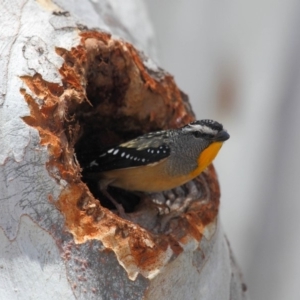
x: 197, y: 134
x: 208, y: 136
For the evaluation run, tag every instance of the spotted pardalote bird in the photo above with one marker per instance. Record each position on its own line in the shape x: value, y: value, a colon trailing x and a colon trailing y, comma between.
x: 159, y: 161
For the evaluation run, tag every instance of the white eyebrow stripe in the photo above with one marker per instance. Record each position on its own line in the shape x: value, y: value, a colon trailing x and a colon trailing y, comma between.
x: 196, y: 126
x: 203, y: 128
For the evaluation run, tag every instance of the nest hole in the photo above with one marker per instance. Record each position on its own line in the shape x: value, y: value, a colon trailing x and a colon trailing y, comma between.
x: 122, y: 102
x: 101, y: 122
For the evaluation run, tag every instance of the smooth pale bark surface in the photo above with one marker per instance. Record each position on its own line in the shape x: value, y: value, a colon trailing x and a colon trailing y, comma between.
x: 39, y: 258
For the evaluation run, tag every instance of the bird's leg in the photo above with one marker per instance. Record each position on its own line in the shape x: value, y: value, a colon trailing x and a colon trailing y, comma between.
x: 119, y: 207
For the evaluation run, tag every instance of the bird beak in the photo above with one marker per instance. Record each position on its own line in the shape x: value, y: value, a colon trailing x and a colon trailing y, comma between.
x: 222, y: 136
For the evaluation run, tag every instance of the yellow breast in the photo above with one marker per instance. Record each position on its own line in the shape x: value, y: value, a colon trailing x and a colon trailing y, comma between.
x: 152, y: 178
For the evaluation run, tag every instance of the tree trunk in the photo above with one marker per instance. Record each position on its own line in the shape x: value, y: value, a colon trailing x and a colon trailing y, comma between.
x: 66, y: 91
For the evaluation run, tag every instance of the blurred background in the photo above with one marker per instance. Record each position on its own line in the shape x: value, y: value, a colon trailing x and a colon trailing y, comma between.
x: 239, y: 62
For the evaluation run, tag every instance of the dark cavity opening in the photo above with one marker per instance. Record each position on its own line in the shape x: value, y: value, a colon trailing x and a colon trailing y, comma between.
x: 101, y: 123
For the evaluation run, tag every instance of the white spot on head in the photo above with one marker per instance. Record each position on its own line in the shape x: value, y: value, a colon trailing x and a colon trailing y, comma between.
x: 93, y: 163
x: 110, y: 150
x: 116, y: 151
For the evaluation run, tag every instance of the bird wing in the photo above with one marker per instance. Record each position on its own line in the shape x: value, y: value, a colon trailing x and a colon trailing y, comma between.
x: 144, y: 150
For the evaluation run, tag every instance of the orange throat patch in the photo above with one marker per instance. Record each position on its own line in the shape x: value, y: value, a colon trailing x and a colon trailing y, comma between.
x: 206, y: 157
